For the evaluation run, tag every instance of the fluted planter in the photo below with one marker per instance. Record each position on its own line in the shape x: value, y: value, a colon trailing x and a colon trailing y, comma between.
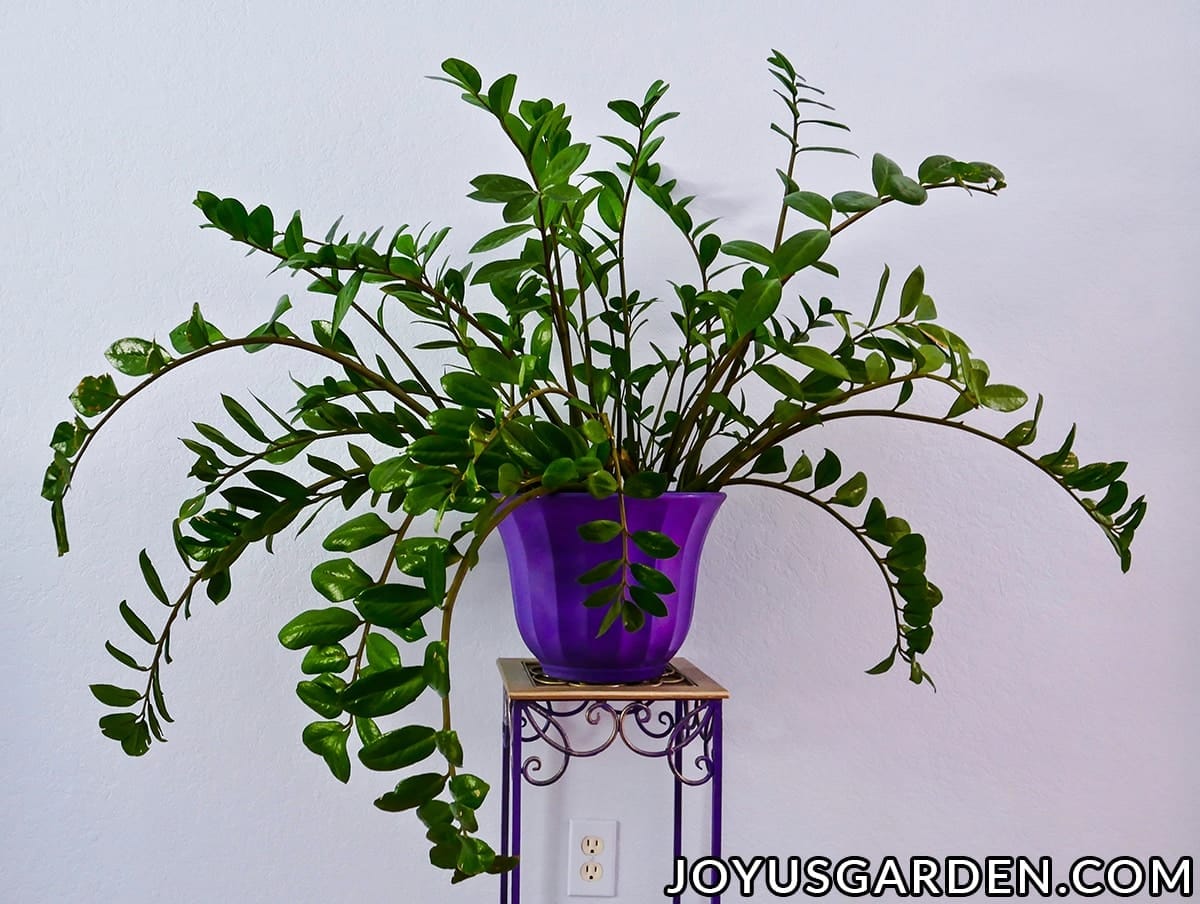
x: 546, y: 556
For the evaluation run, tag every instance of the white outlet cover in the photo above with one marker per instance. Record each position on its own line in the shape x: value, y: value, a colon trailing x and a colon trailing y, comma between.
x: 606, y: 885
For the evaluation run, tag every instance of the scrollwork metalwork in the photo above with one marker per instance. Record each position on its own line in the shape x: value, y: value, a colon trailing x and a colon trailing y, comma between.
x: 677, y: 724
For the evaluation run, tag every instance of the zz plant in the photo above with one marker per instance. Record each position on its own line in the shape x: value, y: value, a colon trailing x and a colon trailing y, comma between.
x: 562, y: 378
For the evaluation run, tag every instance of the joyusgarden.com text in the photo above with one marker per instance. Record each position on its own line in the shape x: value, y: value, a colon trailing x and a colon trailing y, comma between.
x: 947, y: 877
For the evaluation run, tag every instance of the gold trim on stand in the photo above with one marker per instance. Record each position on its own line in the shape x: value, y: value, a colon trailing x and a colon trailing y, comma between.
x: 525, y: 680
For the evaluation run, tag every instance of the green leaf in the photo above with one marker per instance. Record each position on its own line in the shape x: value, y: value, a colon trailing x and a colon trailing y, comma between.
x: 94, y: 395
x: 466, y: 75
x: 345, y: 298
x: 756, y: 304
x: 136, y: 357
x: 499, y: 237
x: 497, y: 188
x: 645, y: 485
x: 357, y: 533
x: 114, y: 696
x: 882, y: 666
x: 801, y: 470
x: 633, y: 617
x: 1114, y: 498
x: 328, y: 658
x: 124, y: 658
x: 601, y: 484
x: 854, y: 201
x: 493, y: 366
x: 394, y: 606
x: 599, y: 531
x: 651, y: 578
x: 910, y: 295
x: 136, y: 625
x: 328, y: 739
x: 852, y: 492
x: 770, y: 462
x: 118, y: 726
x: 469, y: 790
x: 882, y: 171
x: 829, y: 469
x: 819, y: 360
x: 469, y: 390
x: 935, y: 169
x: 602, y: 597
x: 383, y: 693
x: 1000, y: 397
x: 594, y: 431
x: 932, y: 359
x: 381, y: 652
x: 779, y: 379
x: 278, y: 484
x: 243, y: 418
x: 320, y: 698
x: 801, y: 250
x: 751, y: 251
x: 628, y: 111
x: 399, y: 748
x: 390, y: 475
x: 908, y: 554
x: 812, y: 205
x: 919, y: 639
x: 318, y: 627
x: 340, y: 579
x: 152, y: 579
x: 194, y: 333
x: 509, y: 479
x: 655, y: 544
x: 437, y: 668
x: 559, y: 473
x: 906, y: 190
x: 440, y: 450
x: 413, y: 791
x: 600, y: 572
x: 1095, y: 476
x: 649, y: 602
x: 877, y: 368
x: 450, y: 747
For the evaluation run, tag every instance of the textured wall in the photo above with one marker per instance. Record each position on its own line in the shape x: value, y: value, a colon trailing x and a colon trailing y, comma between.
x: 1067, y: 718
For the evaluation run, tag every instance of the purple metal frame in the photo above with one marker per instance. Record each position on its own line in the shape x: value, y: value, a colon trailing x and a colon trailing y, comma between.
x: 667, y: 733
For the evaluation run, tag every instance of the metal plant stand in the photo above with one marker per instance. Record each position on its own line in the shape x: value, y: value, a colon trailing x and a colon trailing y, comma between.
x: 660, y: 718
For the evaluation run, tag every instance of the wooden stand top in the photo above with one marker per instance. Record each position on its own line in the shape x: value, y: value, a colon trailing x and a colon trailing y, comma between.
x: 524, y: 680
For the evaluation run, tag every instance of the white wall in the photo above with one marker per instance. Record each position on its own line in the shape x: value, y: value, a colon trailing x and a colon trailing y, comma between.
x: 1067, y: 718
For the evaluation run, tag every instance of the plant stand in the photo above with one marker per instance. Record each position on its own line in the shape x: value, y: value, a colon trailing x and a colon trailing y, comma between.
x: 660, y: 718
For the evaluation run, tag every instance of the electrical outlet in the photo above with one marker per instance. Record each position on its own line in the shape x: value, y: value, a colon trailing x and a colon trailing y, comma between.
x: 592, y: 858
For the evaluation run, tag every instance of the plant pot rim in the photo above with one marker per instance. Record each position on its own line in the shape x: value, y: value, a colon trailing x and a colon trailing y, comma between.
x: 673, y: 494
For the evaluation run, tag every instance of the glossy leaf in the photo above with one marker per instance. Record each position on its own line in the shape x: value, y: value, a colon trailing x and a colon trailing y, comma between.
x: 412, y: 792
x: 385, y: 692
x: 340, y: 579
x: 318, y: 627
x: 600, y: 531
x: 357, y: 533
x: 654, y: 543
x: 399, y: 748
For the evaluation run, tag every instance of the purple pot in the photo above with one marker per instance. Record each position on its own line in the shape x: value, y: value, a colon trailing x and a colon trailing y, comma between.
x: 546, y: 555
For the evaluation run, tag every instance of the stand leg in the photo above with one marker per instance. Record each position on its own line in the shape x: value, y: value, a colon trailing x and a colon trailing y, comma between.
x: 677, y: 761
x: 515, y: 780
x: 505, y: 760
x: 717, y: 747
